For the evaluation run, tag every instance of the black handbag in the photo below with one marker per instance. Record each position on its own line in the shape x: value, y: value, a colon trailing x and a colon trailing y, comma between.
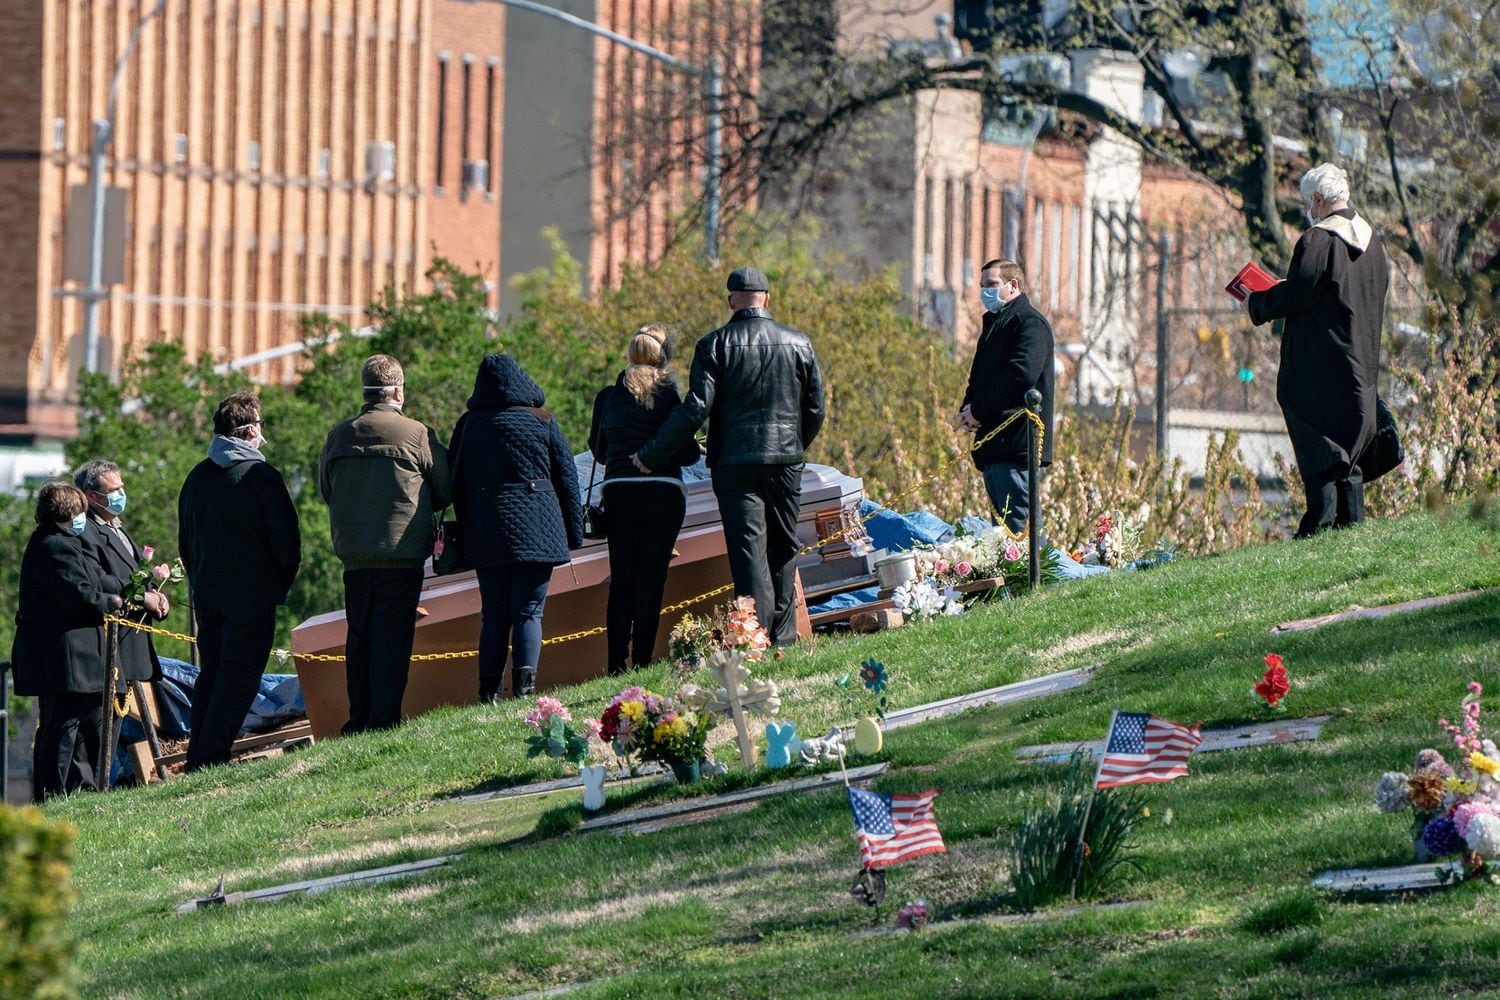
x: 594, y: 524
x: 1384, y: 452
x: 448, y: 545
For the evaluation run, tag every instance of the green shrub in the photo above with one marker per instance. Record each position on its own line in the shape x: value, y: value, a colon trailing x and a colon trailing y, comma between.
x: 1043, y: 847
x: 35, y: 950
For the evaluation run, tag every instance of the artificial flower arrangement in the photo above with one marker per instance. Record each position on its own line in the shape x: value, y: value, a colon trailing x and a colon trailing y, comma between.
x: 924, y: 597
x: 914, y: 915
x: 643, y: 724
x: 555, y: 735
x: 1456, y: 810
x: 992, y: 553
x: 1273, y: 686
x: 734, y: 628
x: 1116, y: 541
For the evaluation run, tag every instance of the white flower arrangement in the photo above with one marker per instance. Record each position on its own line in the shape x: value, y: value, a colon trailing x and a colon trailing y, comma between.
x: 922, y: 598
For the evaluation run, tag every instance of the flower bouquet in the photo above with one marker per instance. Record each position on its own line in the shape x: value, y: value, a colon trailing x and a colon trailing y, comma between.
x: 735, y: 628
x: 1456, y: 811
x: 555, y: 735
x: 1273, y: 686
x: 643, y: 724
x: 149, y: 576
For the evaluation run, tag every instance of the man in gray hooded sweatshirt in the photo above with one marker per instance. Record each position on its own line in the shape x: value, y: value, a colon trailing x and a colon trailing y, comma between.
x: 1333, y: 302
x: 238, y: 535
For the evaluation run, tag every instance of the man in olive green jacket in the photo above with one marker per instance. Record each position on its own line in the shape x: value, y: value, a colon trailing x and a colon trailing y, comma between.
x: 382, y: 475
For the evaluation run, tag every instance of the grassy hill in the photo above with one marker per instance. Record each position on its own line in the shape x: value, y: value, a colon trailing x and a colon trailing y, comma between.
x: 756, y: 904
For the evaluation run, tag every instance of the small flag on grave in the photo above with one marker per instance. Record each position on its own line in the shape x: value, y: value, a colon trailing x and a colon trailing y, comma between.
x: 894, y: 828
x: 1142, y: 748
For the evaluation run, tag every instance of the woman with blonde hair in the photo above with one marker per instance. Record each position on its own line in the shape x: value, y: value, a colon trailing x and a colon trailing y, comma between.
x: 644, y: 511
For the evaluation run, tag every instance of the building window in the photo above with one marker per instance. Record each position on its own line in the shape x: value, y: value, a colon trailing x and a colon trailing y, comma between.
x: 929, y: 221
x: 1054, y: 256
x: 465, y: 115
x: 950, y: 211
x: 442, y: 121
x: 1075, y: 259
x: 489, y: 117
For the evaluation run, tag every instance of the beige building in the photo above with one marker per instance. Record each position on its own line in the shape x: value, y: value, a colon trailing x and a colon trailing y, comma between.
x: 277, y: 157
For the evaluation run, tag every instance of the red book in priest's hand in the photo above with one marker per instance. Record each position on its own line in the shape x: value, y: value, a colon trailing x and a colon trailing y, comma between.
x: 1252, y: 278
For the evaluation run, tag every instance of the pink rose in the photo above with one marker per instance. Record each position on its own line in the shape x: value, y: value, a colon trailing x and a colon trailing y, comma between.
x: 940, y: 567
x: 1012, y: 552
x: 160, y: 572
x: 963, y: 569
x: 146, y: 553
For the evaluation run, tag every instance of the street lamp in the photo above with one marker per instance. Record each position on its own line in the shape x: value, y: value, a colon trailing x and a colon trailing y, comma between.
x: 712, y: 77
x: 102, y: 134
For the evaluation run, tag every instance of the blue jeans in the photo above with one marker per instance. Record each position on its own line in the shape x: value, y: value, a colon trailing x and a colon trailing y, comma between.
x: 1009, y: 487
x: 511, y: 600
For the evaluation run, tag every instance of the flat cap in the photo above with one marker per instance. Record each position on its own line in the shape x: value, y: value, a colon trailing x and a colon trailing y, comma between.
x: 747, y: 279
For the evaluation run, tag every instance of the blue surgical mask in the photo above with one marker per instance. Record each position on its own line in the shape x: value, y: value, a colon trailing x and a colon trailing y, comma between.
x: 80, y: 522
x: 990, y: 299
x: 116, y: 502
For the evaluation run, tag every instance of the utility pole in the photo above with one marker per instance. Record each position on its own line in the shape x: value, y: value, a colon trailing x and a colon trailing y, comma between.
x: 101, y: 135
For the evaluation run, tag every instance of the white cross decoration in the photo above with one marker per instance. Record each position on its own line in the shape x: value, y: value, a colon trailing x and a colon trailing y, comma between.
x: 736, y: 694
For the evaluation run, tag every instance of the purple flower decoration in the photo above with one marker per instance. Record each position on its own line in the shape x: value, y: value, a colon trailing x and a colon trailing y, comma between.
x: 1441, y: 837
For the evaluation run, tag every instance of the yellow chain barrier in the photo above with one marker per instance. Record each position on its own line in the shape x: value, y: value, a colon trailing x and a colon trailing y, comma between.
x: 1041, y: 436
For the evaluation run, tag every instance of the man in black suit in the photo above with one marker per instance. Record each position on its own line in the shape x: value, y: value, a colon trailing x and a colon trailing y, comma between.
x: 106, y: 541
x: 1014, y: 356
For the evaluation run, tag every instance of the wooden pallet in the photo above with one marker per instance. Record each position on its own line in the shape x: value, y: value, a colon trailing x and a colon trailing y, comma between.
x: 256, y: 746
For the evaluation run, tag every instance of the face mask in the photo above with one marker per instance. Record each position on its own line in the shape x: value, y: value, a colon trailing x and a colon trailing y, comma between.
x: 80, y: 522
x: 990, y: 298
x: 259, y: 442
x: 116, y: 502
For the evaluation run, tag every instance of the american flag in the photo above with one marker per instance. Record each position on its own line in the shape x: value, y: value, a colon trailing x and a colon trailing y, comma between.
x: 1143, y: 748
x: 894, y: 828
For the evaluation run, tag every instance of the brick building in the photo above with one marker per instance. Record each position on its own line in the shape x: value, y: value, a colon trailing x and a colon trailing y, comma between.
x: 281, y: 156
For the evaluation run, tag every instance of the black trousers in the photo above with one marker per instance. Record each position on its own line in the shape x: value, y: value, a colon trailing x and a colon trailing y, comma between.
x: 1335, y: 497
x: 234, y: 641
x: 68, y: 739
x: 758, y: 505
x: 644, y: 519
x: 381, y: 608
x: 511, y: 601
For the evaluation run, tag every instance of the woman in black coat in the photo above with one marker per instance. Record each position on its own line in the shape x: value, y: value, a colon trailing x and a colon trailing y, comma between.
x: 515, y: 491
x: 644, y: 511
x: 58, y: 651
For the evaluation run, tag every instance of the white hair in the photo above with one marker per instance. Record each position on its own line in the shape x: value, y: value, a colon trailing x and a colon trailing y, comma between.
x: 1328, y: 180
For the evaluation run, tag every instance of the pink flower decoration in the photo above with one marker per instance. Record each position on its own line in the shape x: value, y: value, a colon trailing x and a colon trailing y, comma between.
x: 940, y: 567
x: 963, y: 569
x: 1465, y: 813
x: 160, y: 572
x: 1012, y: 552
x: 146, y: 553
x: 591, y: 729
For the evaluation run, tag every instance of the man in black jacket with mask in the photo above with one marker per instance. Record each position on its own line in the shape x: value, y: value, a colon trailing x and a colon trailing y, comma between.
x: 1014, y: 355
x: 758, y: 382
x: 240, y: 541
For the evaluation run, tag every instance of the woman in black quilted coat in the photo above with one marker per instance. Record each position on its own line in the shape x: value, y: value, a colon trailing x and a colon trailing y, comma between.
x: 516, y: 494
x: 644, y: 511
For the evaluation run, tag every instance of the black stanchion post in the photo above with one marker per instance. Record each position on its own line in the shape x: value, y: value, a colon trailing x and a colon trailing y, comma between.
x: 4, y: 731
x: 107, y: 726
x: 1034, y: 489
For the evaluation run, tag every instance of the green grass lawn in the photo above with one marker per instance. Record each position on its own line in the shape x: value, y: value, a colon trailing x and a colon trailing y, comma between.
x: 756, y: 904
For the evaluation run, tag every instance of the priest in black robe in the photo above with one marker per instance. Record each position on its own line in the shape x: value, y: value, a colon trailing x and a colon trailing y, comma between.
x: 1333, y: 303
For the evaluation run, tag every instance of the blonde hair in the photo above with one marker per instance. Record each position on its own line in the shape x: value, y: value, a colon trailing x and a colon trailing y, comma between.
x: 648, y: 354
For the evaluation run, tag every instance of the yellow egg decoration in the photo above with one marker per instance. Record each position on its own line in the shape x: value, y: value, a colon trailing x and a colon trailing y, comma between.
x: 868, y: 739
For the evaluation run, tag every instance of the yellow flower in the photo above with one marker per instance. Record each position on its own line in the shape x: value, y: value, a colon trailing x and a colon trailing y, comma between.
x: 1461, y: 787
x: 661, y: 732
x: 679, y: 727
x: 633, y: 710
x: 1480, y: 762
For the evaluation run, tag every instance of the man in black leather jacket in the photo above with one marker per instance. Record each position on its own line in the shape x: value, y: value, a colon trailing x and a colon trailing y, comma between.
x: 759, y: 383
